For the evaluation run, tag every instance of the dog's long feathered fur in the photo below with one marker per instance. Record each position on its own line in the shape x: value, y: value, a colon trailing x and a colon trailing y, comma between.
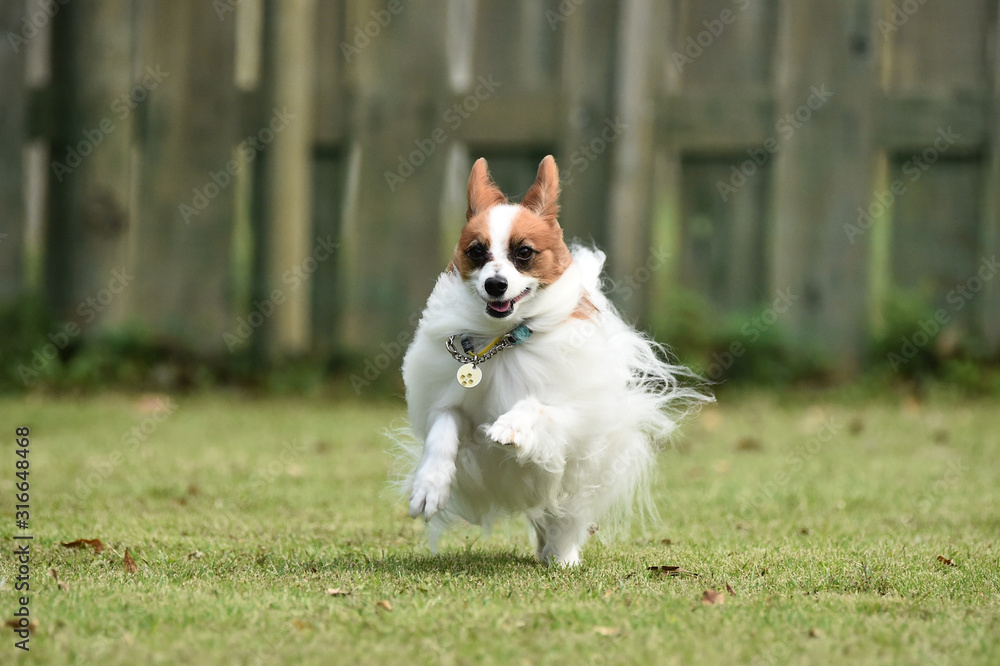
x: 563, y: 427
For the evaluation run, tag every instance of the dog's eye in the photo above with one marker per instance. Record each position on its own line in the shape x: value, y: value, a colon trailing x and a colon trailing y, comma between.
x: 476, y: 253
x: 524, y: 253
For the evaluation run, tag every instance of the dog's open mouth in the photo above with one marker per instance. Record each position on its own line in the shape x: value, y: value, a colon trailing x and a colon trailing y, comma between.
x: 501, y: 309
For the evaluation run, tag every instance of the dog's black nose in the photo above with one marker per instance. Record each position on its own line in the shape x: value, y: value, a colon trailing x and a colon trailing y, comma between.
x: 495, y: 286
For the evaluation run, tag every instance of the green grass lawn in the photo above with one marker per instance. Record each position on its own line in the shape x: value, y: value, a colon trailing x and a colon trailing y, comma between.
x: 824, y: 514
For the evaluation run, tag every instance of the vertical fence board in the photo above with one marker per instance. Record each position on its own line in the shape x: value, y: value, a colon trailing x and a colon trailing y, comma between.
x: 90, y: 220
x: 823, y: 174
x: 722, y: 243
x: 391, y: 235
x: 12, y: 132
x: 991, y: 201
x: 941, y: 48
x: 721, y: 43
x: 182, y: 276
x: 286, y: 218
x: 591, y: 131
x: 630, y: 187
x: 936, y: 224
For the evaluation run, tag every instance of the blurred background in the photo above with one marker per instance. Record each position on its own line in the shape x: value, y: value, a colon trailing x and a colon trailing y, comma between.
x: 262, y: 192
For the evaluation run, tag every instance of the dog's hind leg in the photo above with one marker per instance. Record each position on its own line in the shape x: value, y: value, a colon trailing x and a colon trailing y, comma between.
x: 564, y: 538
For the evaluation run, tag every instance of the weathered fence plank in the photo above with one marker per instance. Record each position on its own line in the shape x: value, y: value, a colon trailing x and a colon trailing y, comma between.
x: 824, y: 174
x: 400, y: 139
x: 591, y: 130
x: 12, y: 134
x: 290, y: 253
x: 91, y: 221
x: 182, y: 249
x: 991, y: 204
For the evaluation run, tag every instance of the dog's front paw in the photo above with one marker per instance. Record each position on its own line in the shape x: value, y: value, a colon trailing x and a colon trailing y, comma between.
x: 513, y: 430
x: 429, y: 493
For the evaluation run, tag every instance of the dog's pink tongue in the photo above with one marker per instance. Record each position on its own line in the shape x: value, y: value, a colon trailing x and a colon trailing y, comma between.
x: 503, y: 306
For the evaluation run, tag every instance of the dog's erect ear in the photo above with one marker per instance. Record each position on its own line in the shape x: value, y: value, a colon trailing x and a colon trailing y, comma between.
x: 483, y: 192
x: 543, y: 197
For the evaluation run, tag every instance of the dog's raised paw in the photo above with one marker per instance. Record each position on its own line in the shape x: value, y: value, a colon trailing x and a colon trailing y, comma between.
x: 515, y: 428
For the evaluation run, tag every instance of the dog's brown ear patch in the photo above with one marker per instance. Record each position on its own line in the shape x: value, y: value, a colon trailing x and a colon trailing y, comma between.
x: 483, y: 192
x: 543, y: 197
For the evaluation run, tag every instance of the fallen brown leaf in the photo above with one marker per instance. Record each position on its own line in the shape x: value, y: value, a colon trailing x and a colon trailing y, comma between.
x: 748, y: 444
x: 130, y: 566
x: 712, y: 598
x: 300, y: 625
x: 730, y: 590
x: 608, y: 631
x: 82, y: 543
x: 61, y: 585
x: 816, y: 632
x: 16, y: 624
x: 384, y: 605
x: 338, y: 592
x: 944, y: 560
x: 669, y: 570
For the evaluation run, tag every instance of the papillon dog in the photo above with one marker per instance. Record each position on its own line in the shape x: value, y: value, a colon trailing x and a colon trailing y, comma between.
x: 527, y: 392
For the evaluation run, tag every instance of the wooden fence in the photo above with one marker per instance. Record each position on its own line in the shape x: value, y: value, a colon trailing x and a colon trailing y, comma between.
x: 289, y: 175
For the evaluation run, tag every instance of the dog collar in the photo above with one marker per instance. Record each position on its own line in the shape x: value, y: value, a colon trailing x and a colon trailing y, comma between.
x: 469, y: 375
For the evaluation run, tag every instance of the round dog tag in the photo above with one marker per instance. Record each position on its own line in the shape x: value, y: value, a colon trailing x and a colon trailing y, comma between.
x: 469, y: 375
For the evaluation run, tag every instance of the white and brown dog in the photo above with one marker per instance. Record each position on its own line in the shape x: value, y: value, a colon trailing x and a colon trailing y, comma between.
x: 527, y: 391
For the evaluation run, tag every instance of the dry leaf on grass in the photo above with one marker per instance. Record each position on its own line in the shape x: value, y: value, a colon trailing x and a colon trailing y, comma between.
x: 748, y: 444
x: 712, y: 598
x: 61, y: 585
x: 384, y: 605
x: 816, y: 632
x: 944, y: 560
x: 669, y: 570
x: 608, y: 631
x: 16, y: 624
x: 130, y: 566
x: 730, y: 590
x: 96, y: 544
x: 339, y: 592
x: 195, y: 555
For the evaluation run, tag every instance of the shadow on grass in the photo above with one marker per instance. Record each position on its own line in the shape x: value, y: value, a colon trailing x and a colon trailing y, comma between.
x: 467, y: 562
